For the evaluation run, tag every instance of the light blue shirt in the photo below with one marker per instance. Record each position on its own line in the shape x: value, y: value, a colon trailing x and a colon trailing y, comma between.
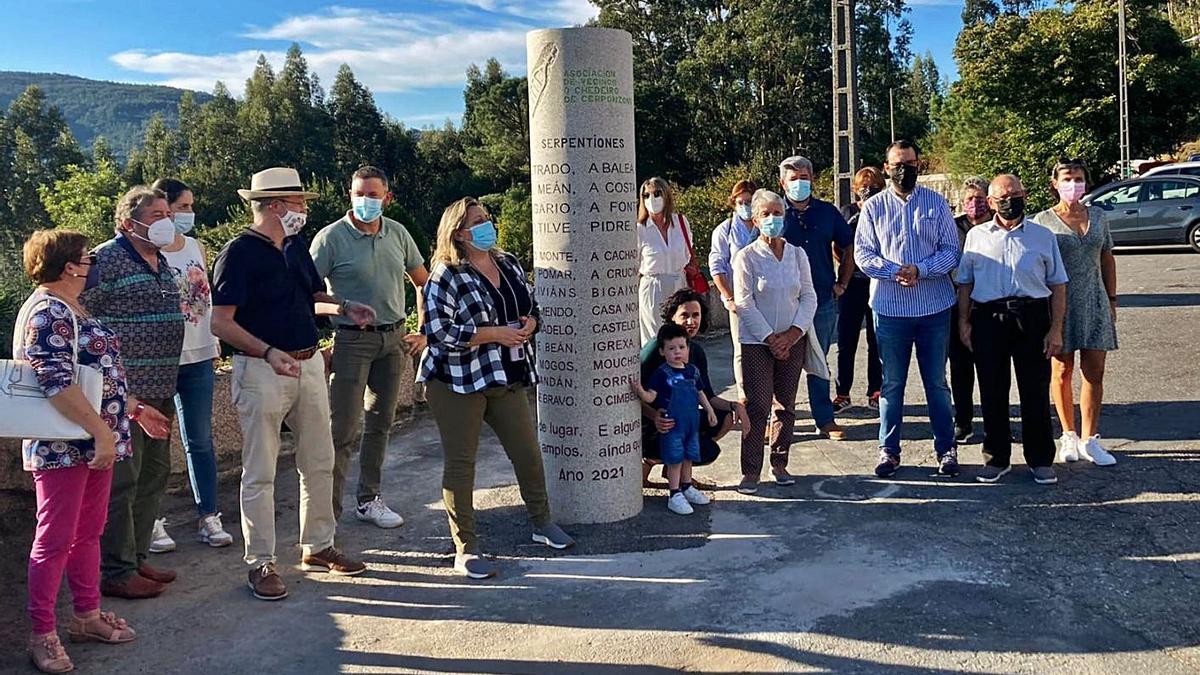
x: 893, y: 232
x: 1019, y: 263
x: 728, y: 238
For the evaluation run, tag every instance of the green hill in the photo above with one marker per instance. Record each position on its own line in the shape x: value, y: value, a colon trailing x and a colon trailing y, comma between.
x: 118, y: 112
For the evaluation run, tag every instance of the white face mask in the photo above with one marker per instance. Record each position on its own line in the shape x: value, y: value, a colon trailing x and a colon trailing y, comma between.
x: 654, y: 205
x: 293, y: 222
x: 184, y: 222
x: 160, y: 233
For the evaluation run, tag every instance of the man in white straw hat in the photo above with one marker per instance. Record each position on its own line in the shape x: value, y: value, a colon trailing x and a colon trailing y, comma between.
x: 266, y: 296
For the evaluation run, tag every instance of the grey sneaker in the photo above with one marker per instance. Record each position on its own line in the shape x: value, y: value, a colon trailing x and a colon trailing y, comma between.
x: 474, y: 566
x: 1043, y: 475
x: 553, y: 536
x: 748, y: 486
x: 991, y: 474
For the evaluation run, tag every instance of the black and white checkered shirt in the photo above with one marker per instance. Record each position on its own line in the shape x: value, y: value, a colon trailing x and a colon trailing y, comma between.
x: 456, y: 307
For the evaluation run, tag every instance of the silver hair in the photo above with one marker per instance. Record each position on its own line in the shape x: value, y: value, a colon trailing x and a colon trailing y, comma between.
x: 1011, y: 176
x: 763, y: 197
x: 975, y: 183
x: 799, y: 163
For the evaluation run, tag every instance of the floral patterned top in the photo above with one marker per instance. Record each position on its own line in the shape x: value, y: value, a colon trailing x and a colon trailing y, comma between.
x: 48, y: 336
x: 195, y: 302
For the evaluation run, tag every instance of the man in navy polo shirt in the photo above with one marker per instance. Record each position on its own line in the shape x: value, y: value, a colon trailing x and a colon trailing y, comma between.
x: 817, y: 227
x: 266, y: 295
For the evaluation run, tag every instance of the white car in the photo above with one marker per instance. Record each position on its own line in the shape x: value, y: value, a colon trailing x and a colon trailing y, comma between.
x: 1176, y: 169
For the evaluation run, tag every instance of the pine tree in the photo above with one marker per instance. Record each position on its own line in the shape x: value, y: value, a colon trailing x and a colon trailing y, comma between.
x: 359, y: 136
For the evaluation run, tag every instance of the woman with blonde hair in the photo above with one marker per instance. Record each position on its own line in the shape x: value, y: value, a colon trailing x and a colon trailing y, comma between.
x: 665, y: 240
x: 479, y: 316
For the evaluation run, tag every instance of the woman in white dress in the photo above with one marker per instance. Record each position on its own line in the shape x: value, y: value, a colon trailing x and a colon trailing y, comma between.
x: 665, y: 241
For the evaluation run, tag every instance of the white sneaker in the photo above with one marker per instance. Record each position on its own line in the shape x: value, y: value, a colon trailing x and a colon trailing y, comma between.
x: 160, y: 541
x: 695, y: 496
x: 375, y: 511
x: 1068, y: 447
x: 1094, y: 451
x: 211, y: 532
x: 679, y: 504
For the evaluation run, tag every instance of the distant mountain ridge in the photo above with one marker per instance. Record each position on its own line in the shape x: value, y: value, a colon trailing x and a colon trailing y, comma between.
x: 117, y: 111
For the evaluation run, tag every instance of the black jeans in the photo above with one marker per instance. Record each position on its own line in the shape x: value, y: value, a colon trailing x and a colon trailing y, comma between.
x: 853, y: 309
x: 1005, y: 337
x: 962, y: 376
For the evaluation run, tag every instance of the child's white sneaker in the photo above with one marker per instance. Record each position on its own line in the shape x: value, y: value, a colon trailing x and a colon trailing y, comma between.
x: 694, y: 496
x: 1068, y: 447
x: 679, y: 504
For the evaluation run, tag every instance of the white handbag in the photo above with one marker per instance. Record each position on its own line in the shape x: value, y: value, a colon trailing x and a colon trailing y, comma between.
x: 25, y: 412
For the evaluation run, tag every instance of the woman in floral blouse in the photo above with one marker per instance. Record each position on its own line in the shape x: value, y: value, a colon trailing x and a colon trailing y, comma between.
x: 72, y: 478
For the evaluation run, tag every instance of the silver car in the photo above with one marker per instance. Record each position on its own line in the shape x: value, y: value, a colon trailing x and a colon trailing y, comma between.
x: 1151, y: 210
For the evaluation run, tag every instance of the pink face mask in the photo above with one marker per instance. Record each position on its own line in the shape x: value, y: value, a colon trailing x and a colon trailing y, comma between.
x: 1071, y: 190
x: 976, y: 208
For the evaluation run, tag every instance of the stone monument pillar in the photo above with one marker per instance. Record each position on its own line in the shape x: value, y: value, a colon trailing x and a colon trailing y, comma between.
x: 585, y: 252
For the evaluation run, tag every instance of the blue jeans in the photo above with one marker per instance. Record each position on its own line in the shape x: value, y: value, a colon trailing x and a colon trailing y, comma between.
x: 931, y: 335
x: 193, y: 402
x: 825, y: 328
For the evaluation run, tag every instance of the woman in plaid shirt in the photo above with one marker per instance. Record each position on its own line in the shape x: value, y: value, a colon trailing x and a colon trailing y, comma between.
x: 479, y: 316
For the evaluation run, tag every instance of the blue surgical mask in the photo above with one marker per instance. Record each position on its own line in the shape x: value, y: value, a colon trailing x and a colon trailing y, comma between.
x: 771, y: 226
x: 483, y: 236
x: 184, y: 222
x: 366, y: 209
x: 743, y: 211
x: 799, y: 190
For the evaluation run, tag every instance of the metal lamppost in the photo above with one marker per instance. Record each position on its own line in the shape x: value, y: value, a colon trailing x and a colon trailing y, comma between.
x: 1123, y: 93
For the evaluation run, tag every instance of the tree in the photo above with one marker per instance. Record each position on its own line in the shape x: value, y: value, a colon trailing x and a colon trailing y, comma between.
x: 359, y: 135
x: 496, y: 125
x: 302, y: 126
x: 84, y: 200
x: 257, y: 117
x: 1029, y: 95
x: 41, y: 146
x: 216, y: 166
x: 159, y: 155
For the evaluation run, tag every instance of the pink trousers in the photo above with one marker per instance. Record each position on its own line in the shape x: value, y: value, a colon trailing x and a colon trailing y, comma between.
x: 72, y: 507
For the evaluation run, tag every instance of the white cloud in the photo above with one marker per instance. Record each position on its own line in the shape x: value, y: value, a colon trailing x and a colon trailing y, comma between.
x: 388, y: 51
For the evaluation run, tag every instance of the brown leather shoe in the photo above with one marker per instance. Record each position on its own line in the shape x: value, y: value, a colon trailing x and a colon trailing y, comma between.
x: 833, y: 431
x: 133, y: 587
x: 156, y: 574
x: 265, y: 583
x: 333, y: 561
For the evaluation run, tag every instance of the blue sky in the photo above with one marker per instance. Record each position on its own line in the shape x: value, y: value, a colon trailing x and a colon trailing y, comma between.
x: 412, y: 54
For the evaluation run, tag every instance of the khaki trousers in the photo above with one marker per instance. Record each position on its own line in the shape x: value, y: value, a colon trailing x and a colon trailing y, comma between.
x: 460, y: 419
x: 264, y: 401
x: 370, y: 364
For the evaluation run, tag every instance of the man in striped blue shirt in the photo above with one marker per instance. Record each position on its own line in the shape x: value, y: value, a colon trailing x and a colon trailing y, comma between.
x: 907, y: 243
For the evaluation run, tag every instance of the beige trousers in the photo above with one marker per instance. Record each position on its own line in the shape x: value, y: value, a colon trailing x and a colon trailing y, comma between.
x: 264, y: 401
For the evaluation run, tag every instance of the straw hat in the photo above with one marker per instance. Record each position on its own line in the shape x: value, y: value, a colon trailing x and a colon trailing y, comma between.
x: 276, y: 182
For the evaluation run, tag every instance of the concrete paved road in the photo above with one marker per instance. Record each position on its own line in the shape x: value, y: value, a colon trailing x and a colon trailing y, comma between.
x: 840, y: 573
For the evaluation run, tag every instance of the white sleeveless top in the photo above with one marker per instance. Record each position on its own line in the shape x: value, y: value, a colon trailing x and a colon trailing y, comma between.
x: 195, y: 301
x: 660, y: 257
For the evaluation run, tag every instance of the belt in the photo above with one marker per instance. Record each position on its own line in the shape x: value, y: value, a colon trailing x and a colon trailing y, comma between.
x: 1011, y: 304
x: 381, y: 328
x: 299, y: 355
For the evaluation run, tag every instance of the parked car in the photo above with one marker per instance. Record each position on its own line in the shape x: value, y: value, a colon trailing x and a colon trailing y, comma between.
x: 1188, y: 168
x: 1152, y: 210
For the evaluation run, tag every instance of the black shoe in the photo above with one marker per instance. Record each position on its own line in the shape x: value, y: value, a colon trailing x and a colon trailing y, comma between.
x: 962, y: 433
x: 888, y: 464
x: 948, y: 463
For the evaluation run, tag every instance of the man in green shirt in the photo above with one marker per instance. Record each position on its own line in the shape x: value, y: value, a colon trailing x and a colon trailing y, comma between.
x: 365, y: 257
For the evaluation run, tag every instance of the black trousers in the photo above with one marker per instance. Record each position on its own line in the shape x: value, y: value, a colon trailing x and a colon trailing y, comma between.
x: 962, y: 376
x: 1008, y: 339
x: 853, y: 309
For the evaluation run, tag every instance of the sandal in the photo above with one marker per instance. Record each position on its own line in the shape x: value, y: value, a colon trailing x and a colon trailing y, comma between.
x: 101, y: 627
x: 48, y: 654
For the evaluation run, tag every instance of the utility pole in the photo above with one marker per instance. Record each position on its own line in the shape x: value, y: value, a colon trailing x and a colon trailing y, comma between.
x: 1123, y: 93
x: 892, y: 110
x: 845, y: 101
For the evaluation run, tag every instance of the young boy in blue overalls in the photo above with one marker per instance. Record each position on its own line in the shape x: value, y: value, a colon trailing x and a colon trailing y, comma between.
x: 675, y: 389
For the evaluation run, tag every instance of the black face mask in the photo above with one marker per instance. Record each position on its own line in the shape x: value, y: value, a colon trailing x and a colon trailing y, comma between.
x: 904, y: 176
x: 1011, y: 208
x: 866, y: 193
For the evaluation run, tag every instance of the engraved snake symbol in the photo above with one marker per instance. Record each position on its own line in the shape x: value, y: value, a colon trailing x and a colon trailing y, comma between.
x: 540, y: 74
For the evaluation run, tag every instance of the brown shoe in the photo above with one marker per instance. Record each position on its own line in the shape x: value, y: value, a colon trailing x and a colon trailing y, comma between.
x: 134, y: 587
x: 155, y: 574
x: 333, y: 561
x: 48, y: 655
x: 833, y: 431
x: 265, y: 583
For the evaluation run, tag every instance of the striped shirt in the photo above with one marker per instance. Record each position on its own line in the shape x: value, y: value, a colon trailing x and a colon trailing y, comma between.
x: 893, y: 232
x: 142, y: 306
